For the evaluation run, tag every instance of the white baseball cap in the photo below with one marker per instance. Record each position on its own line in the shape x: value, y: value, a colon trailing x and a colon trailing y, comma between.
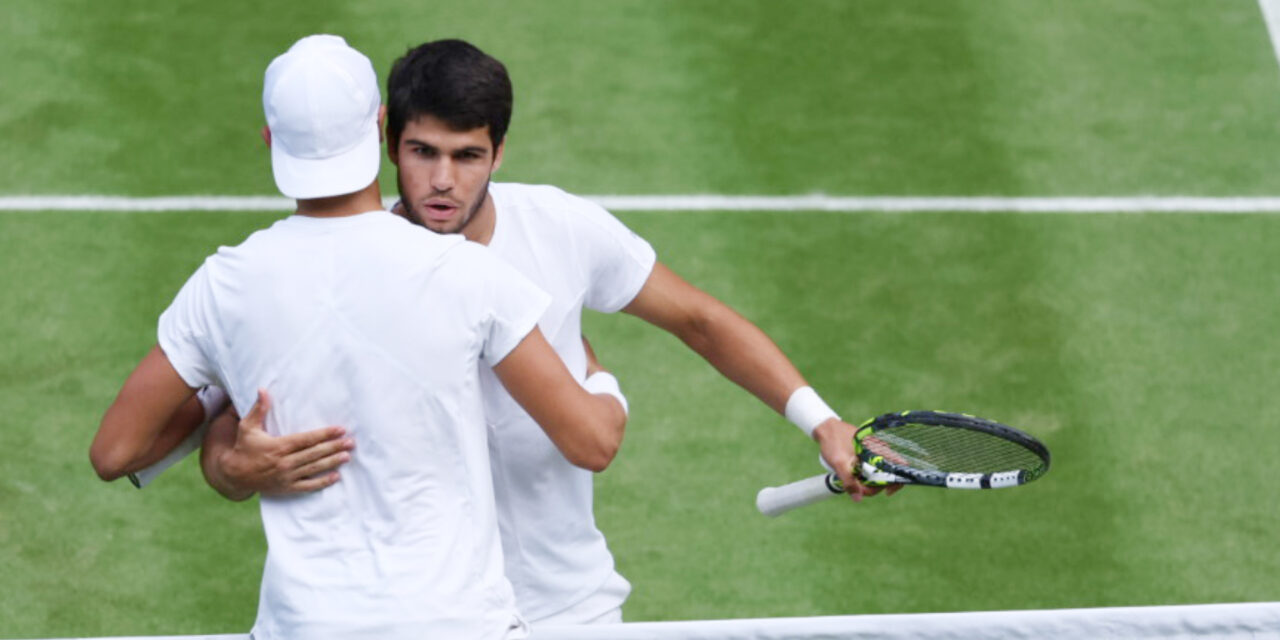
x: 321, y: 100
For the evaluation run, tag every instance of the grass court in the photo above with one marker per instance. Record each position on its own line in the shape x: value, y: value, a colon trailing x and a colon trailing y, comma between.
x: 1141, y: 348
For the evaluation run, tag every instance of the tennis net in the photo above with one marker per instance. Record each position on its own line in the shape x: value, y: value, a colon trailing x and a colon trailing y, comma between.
x: 1259, y: 620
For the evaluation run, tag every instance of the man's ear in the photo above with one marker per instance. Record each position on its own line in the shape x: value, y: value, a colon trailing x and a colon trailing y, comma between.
x: 266, y: 135
x: 392, y: 152
x: 497, y: 155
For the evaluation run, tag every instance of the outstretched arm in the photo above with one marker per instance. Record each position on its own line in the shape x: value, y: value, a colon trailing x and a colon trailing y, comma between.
x: 745, y: 355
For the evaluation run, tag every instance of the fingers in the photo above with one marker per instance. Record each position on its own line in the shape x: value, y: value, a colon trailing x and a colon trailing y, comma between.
x: 863, y: 489
x: 849, y: 480
x: 311, y: 470
x: 857, y: 491
x: 296, y: 475
x: 313, y: 467
x: 318, y: 451
x: 306, y: 485
x: 257, y: 417
x: 867, y: 491
x: 297, y: 442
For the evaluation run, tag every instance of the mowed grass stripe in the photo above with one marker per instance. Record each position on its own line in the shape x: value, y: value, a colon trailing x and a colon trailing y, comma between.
x: 853, y: 204
x: 1118, y: 339
x: 893, y: 97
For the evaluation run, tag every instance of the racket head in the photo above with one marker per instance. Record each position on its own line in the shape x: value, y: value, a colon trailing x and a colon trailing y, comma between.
x: 952, y: 450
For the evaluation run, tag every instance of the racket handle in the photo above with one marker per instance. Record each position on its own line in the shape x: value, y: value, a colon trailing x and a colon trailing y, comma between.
x: 775, y: 501
x: 143, y: 477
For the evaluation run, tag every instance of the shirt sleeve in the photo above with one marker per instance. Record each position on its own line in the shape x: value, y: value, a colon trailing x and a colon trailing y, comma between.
x: 515, y: 305
x: 183, y: 332
x: 618, y: 259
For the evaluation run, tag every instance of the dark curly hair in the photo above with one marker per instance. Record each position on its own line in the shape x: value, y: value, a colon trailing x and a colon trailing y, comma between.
x: 451, y: 80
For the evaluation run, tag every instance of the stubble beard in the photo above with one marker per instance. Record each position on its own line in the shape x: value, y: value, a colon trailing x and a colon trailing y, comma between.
x: 461, y: 224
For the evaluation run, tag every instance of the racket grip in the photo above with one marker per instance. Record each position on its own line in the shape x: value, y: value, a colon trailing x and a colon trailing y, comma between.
x: 775, y: 501
x: 143, y: 477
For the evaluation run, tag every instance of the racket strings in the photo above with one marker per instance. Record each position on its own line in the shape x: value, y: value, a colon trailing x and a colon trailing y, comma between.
x: 947, y: 449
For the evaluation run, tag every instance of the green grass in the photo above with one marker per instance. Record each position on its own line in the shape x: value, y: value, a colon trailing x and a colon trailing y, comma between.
x: 1134, y: 345
x: 672, y: 96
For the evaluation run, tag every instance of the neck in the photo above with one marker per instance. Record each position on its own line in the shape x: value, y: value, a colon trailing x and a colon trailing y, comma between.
x: 350, y: 204
x: 480, y: 228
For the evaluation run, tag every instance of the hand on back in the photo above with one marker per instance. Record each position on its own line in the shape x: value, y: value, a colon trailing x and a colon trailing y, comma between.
x: 274, y: 465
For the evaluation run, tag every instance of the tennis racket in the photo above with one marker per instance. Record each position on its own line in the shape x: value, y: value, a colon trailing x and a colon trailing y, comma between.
x: 932, y: 448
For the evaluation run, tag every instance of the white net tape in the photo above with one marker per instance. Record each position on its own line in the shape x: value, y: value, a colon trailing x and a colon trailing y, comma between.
x: 1256, y: 621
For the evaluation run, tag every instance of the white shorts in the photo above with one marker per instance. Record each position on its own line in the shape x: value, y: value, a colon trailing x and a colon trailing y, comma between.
x: 602, y: 607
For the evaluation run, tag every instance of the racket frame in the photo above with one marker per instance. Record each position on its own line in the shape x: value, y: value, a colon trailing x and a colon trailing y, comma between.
x: 910, y: 475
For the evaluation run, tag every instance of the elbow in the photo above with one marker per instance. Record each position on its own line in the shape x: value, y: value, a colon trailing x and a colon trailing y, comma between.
x: 111, y: 456
x: 597, y: 453
x: 599, y: 458
x: 106, y: 463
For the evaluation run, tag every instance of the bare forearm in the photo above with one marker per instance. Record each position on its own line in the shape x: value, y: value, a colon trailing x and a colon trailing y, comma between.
x: 218, y: 443
x: 587, y: 428
x: 601, y: 422
x: 118, y: 450
x: 130, y: 435
x: 188, y: 418
x: 744, y: 354
x: 729, y: 342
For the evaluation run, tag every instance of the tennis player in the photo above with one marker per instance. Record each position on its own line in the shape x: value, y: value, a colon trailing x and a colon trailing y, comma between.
x: 449, y: 105
x: 351, y: 315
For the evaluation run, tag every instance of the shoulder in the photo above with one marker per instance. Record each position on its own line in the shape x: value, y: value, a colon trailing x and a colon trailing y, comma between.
x: 550, y: 205
x: 385, y: 236
x: 543, y: 199
x: 476, y: 260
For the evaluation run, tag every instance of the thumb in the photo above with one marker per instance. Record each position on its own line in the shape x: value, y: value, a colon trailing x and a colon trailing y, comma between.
x: 257, y: 416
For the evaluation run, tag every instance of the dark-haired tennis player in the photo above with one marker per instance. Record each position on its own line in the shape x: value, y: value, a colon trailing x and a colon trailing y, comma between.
x: 449, y: 105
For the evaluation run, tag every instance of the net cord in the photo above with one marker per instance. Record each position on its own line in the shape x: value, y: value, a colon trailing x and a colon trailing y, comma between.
x: 1256, y: 620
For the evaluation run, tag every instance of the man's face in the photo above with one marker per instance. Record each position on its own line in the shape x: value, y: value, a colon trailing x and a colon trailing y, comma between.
x: 444, y: 174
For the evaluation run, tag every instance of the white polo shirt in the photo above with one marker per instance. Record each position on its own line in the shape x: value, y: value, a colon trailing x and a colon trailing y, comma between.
x: 582, y: 256
x: 379, y: 326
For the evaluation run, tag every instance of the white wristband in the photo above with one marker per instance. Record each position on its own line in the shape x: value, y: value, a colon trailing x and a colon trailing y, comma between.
x: 214, y: 400
x: 806, y: 410
x: 604, y: 382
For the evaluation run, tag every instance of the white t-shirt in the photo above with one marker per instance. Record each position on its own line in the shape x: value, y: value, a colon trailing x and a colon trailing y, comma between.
x: 370, y: 323
x: 582, y: 256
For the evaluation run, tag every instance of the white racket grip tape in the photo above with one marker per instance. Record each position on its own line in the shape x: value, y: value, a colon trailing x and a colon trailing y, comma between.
x: 775, y: 501
x: 143, y: 477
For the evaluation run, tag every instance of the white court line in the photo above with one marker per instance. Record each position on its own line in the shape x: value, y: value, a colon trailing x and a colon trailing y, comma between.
x: 1271, y: 15
x: 962, y: 204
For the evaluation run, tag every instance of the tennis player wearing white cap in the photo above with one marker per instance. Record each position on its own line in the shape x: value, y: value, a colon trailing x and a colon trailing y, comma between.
x: 314, y: 310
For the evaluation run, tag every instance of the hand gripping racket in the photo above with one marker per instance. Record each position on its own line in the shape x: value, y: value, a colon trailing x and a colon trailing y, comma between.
x: 948, y: 450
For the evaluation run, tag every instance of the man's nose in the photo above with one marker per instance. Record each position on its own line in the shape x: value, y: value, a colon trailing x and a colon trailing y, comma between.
x: 442, y: 175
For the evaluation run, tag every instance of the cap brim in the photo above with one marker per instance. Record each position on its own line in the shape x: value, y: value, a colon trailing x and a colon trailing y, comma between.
x: 349, y: 172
